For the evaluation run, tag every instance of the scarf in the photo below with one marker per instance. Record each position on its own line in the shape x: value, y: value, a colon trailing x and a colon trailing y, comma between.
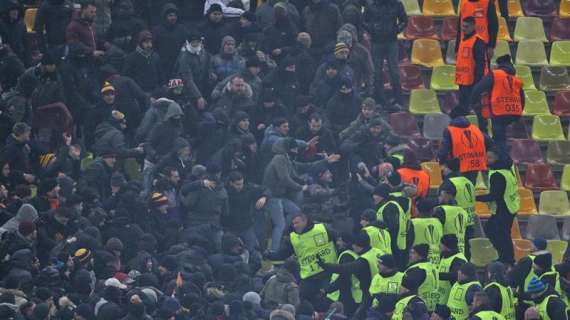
x: 193, y: 50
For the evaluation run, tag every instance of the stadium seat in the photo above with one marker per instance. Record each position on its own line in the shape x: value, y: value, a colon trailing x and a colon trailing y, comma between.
x: 450, y: 54
x: 530, y: 28
x: 516, y: 230
x: 565, y: 179
x: 554, y: 78
x: 30, y: 19
x: 434, y: 124
x: 404, y: 124
x: 482, y: 210
x: 443, y: 78
x: 525, y: 74
x: 518, y: 130
x: 520, y: 184
x: 557, y: 248
x: 85, y: 162
x: 427, y: 52
x: 438, y: 8
x: 501, y: 49
x: 558, y: 152
x: 525, y: 151
x: 564, y: 8
x: 482, y: 252
x: 532, y: 53
x: 547, y: 127
x: 410, y: 77
x: 503, y: 32
x: 424, y: 101
x: 560, y: 29
x: 540, y: 8
x: 542, y: 226
x: 449, y: 28
x: 535, y: 103
x: 478, y: 231
x: 522, y: 248
x: 481, y: 184
x: 528, y: 206
x: 561, y: 106
x: 434, y: 171
x: 554, y: 202
x: 420, y: 27
x: 565, y: 234
x: 515, y: 9
x: 412, y: 7
x: 539, y: 177
x: 450, y: 101
x: 560, y: 53
x: 424, y: 148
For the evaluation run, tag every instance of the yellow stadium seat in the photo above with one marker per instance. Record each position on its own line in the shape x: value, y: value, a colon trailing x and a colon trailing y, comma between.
x: 501, y: 49
x: 558, y: 152
x: 557, y: 248
x: 450, y: 54
x: 443, y: 78
x: 535, y: 103
x: 438, y: 8
x: 482, y: 252
x: 412, y: 7
x: 515, y: 9
x: 547, y: 127
x: 530, y: 28
x: 482, y: 210
x: 525, y: 74
x: 528, y: 205
x: 565, y: 180
x: 554, y: 202
x: 516, y: 230
x: 560, y: 53
x: 554, y: 78
x: 424, y: 101
x: 564, y: 8
x: 532, y: 53
x: 427, y: 52
x: 503, y: 33
x: 522, y: 248
x: 434, y: 171
x: 30, y: 19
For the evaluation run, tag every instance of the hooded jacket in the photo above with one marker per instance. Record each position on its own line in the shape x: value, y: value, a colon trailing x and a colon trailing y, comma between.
x: 20, y: 267
x: 25, y: 213
x: 52, y: 18
x: 281, y: 289
x: 109, y: 136
x: 162, y: 138
x: 224, y: 65
x: 144, y: 68
x: 322, y: 20
x: 168, y: 39
x: 384, y: 20
x: 125, y: 25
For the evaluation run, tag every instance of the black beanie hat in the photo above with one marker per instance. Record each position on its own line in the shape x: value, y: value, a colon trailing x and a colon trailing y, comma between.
x: 468, y: 270
x: 216, y: 7
x: 388, y: 261
x: 412, y: 279
x: 395, y: 179
x: 422, y: 249
x: 442, y: 311
x: 362, y: 239
x: 543, y: 260
x: 382, y: 190
x: 450, y: 241
x: 368, y: 215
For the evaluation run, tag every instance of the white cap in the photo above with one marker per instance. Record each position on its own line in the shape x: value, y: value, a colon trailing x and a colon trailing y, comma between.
x: 114, y: 282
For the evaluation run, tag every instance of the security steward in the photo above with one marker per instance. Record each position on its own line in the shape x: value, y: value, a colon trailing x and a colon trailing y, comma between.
x: 452, y: 217
x: 379, y: 236
x: 472, y: 64
x: 427, y: 274
x: 391, y: 214
x: 387, y: 281
x: 365, y: 267
x: 504, y: 203
x: 524, y: 271
x: 410, y: 305
x: 501, y: 296
x: 412, y: 173
x: 426, y: 229
x: 345, y: 287
x: 309, y: 242
x: 463, y: 291
x: 550, y: 306
x: 486, y: 21
x: 451, y: 261
x: 506, y: 98
x: 482, y: 309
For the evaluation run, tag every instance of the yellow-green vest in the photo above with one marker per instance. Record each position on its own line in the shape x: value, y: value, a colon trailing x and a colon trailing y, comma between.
x: 386, y: 285
x: 511, y: 195
x: 409, y: 200
x: 355, y: 283
x: 403, y: 221
x: 309, y: 245
x: 507, y: 300
x: 543, y: 308
x: 444, y: 286
x: 455, y: 223
x: 456, y: 302
x: 489, y: 315
x: 379, y: 239
x: 401, y: 306
x: 428, y: 231
x: 465, y: 196
x: 428, y: 289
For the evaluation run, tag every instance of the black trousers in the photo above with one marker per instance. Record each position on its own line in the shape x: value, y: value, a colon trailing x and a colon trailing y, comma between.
x: 498, y: 230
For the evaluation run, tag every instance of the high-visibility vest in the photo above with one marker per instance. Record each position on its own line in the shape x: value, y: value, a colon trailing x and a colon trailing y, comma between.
x: 444, y: 286
x: 507, y: 300
x: 386, y: 285
x: 428, y: 289
x: 401, y: 306
x: 355, y: 283
x: 465, y: 65
x: 456, y: 303
x: 428, y: 231
x: 511, y: 196
x: 455, y: 224
x: 379, y: 239
x: 465, y: 196
x: 310, y: 245
x: 479, y: 10
x: 468, y: 146
x: 489, y: 315
x: 371, y: 256
x: 410, y: 202
x: 543, y: 308
x: 403, y: 221
x: 506, y: 94
x: 419, y: 178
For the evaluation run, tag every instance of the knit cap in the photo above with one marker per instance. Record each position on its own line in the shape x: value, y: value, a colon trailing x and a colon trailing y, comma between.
x: 340, y: 47
x: 159, y: 200
x: 535, y: 286
x: 107, y: 87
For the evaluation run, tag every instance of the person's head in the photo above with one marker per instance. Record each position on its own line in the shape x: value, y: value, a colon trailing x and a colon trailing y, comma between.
x: 468, y: 25
x: 238, y: 85
x: 22, y: 132
x: 341, y: 51
x: 345, y: 86
x: 6, y: 169
x: 448, y: 243
x: 326, y: 176
x: 344, y: 241
x: 361, y: 242
x: 367, y: 217
x: 171, y: 16
x: 108, y: 93
x: 109, y: 158
x: 375, y: 128
x: 466, y: 272
x: 480, y: 300
x: 380, y: 193
x: 28, y: 230
x: 145, y: 40
x: 3, y: 192
x: 305, y: 39
x: 300, y: 222
x: 253, y: 66
x: 236, y: 180
x: 425, y: 207
x: 215, y: 13
x: 441, y: 312
x: 449, y: 167
x: 119, y: 118
x: 50, y: 188
x: 62, y: 215
x: 242, y: 120
x: 447, y: 193
x: 368, y: 108
x: 504, y: 60
x: 419, y: 253
x: 281, y: 125
x: 315, y: 123
x: 331, y: 70
x: 496, y: 271
x: 538, y: 244
x: 172, y: 175
x: 542, y: 262
x: 535, y: 287
x: 88, y: 11
x: 387, y: 264
x: 228, y: 45
x: 411, y: 281
x: 195, y: 40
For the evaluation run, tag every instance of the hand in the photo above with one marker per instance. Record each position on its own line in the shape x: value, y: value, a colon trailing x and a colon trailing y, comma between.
x: 333, y: 158
x: 276, y: 52
x: 260, y: 203
x: 260, y: 55
x: 29, y: 177
x: 139, y: 150
x: 305, y: 187
x: 261, y: 126
x: 201, y: 103
x: 359, y: 177
x: 209, y: 184
x: 320, y: 261
x: 314, y: 141
x: 98, y: 53
x: 67, y: 138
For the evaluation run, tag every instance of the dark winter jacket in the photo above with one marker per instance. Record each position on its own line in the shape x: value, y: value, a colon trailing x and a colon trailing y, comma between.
x: 168, y: 40
x: 206, y: 206
x: 108, y: 136
x: 342, y: 109
x: 322, y: 20
x: 145, y: 69
x: 242, y: 212
x: 193, y: 68
x: 97, y: 176
x: 81, y: 34
x: 125, y: 26
x: 384, y: 20
x: 51, y: 22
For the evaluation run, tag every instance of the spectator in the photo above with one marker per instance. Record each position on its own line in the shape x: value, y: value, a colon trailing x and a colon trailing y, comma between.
x: 168, y: 38
x: 143, y: 65
x: 52, y: 19
x: 13, y: 30
x: 80, y: 33
x: 214, y: 28
x: 228, y: 61
x: 321, y: 19
x: 125, y: 26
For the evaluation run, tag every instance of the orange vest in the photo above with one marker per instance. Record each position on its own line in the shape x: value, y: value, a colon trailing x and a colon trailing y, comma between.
x: 506, y: 94
x: 468, y: 145
x: 417, y: 177
x: 465, y: 66
x: 478, y: 10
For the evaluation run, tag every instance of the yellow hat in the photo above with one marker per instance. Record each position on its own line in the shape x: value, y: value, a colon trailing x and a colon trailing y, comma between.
x: 46, y: 159
x: 107, y: 87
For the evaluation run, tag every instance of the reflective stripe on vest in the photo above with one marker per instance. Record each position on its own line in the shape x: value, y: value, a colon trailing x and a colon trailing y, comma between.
x: 511, y: 195
x: 403, y: 221
x: 309, y: 245
x: 419, y: 178
x: 379, y: 239
x: 465, y: 196
x: 444, y: 286
x: 355, y: 283
x: 468, y: 146
x: 428, y: 289
x: 465, y: 65
x: 479, y: 10
x: 489, y: 315
x: 428, y: 231
x: 456, y: 303
x: 455, y: 224
x: 506, y: 94
x: 507, y: 300
x: 400, y: 308
x: 388, y: 285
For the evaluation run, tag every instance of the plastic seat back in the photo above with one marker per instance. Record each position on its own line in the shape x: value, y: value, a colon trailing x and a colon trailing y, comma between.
x: 427, y: 52
x: 554, y: 202
x: 449, y: 28
x: 547, y: 128
x: 526, y: 151
x: 558, y: 152
x: 535, y: 103
x: 530, y: 28
x: 443, y: 78
x: 564, y: 8
x: 30, y: 19
x: 450, y: 101
x: 516, y: 230
x: 482, y: 252
x: 560, y: 29
x: 434, y: 124
x: 565, y: 179
x: 560, y: 53
x: 554, y: 78
x: 450, y: 54
x: 424, y: 101
x: 561, y: 105
x: 515, y: 8
x: 434, y: 171
x: 501, y: 49
x: 539, y: 177
x: 528, y: 205
x: 565, y: 234
x: 557, y: 248
x: 518, y: 130
x: 532, y: 53
x: 412, y: 7
x: 503, y: 33
x: 411, y: 77
x: 542, y: 226
x: 404, y: 124
x: 424, y: 148
x: 420, y: 27
x: 438, y: 8
x: 525, y: 74
x: 540, y: 8
x: 522, y: 248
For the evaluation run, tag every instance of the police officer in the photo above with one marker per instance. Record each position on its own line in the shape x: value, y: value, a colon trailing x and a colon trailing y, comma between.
x: 379, y: 236
x: 482, y: 309
x: 505, y: 98
x: 451, y: 261
x: 550, y: 306
x: 452, y: 217
x: 345, y: 287
x: 504, y: 202
x: 426, y: 229
x: 410, y: 305
x: 463, y: 291
x: 426, y: 272
x: 309, y: 242
x: 501, y: 296
x: 387, y: 281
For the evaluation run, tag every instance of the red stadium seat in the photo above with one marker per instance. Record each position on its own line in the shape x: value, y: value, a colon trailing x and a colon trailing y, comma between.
x: 526, y: 151
x: 424, y: 148
x: 420, y: 27
x: 518, y: 130
x: 449, y: 28
x: 560, y: 29
x: 541, y: 8
x: 561, y: 106
x: 411, y: 77
x: 539, y: 177
x: 404, y: 124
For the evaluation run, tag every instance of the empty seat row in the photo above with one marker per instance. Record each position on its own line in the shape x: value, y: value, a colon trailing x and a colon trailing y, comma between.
x: 538, y: 8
